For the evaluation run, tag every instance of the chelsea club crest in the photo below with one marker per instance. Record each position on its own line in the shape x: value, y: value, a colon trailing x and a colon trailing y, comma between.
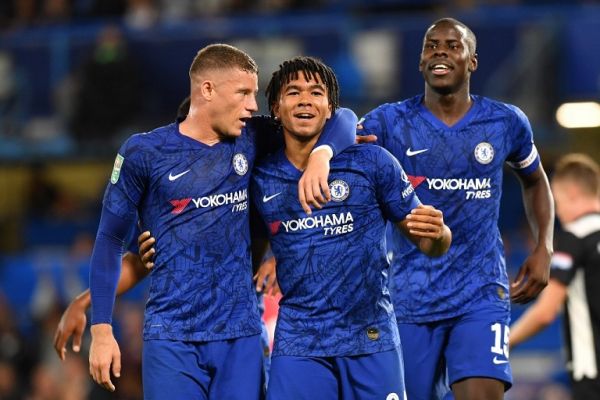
x: 240, y: 164
x: 484, y: 153
x: 339, y: 190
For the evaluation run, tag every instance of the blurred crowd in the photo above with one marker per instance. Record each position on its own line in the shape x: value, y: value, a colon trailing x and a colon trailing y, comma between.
x: 47, y: 231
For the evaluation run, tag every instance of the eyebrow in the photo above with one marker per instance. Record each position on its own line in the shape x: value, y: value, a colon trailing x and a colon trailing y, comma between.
x: 314, y: 86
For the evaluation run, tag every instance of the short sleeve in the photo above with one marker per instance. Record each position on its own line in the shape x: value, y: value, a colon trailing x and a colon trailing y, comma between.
x: 523, y: 156
x: 395, y: 193
x: 373, y: 123
x: 564, y: 260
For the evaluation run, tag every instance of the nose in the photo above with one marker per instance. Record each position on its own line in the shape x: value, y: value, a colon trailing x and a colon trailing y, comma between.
x: 252, y: 105
x: 305, y: 100
x: 440, y: 52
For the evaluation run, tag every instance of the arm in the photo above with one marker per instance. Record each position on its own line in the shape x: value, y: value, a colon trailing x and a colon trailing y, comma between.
x: 339, y: 133
x: 425, y: 227
x: 539, y: 207
x: 73, y: 320
x: 540, y: 314
x: 105, y: 266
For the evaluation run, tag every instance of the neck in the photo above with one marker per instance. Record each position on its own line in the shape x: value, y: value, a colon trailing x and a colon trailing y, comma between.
x: 584, y: 207
x: 448, y: 107
x: 196, y: 126
x: 298, y: 150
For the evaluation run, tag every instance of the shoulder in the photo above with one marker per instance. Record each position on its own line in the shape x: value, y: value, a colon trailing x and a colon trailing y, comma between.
x: 509, y: 110
x: 269, y: 162
x: 150, y: 139
x: 367, y: 154
x: 399, y: 107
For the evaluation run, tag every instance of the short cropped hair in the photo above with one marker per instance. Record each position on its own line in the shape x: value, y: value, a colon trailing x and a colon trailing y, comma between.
x: 471, y: 39
x: 311, y: 68
x: 222, y: 56
x: 580, y: 169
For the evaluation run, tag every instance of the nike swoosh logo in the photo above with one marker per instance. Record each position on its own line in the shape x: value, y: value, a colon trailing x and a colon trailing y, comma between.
x: 411, y: 153
x: 269, y: 198
x: 497, y: 361
x: 174, y: 177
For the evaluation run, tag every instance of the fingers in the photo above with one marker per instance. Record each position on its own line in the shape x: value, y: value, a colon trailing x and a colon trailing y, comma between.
x: 116, y: 366
x: 143, y: 237
x: 324, y: 188
x: 260, y: 279
x: 302, y: 197
x: 147, y: 251
x: 361, y: 139
x: 59, y: 344
x: 270, y: 283
x: 306, y: 194
x: 426, y: 221
x: 101, y: 375
x: 77, y: 335
x: 525, y: 287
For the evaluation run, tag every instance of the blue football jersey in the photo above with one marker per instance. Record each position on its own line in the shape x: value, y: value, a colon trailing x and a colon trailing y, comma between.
x: 331, y: 266
x: 194, y: 199
x: 458, y: 170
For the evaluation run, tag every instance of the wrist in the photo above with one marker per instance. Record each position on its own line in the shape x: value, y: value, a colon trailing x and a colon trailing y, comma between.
x: 84, y: 300
x: 324, y: 150
x: 101, y: 330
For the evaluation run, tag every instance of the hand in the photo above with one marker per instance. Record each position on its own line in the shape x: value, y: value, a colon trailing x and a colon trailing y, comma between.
x: 266, y: 278
x: 146, y: 249
x: 72, y: 323
x: 104, y: 353
x: 361, y: 139
x: 313, y: 188
x: 426, y: 222
x: 532, y: 277
x: 427, y: 228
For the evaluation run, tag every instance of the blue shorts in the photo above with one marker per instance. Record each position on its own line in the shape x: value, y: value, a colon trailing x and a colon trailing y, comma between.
x: 227, y: 369
x: 438, y: 354
x: 370, y: 376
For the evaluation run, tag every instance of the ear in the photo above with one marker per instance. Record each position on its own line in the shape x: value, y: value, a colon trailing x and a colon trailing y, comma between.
x: 421, y: 65
x: 207, y: 89
x: 473, y: 63
x: 275, y: 109
x: 330, y: 113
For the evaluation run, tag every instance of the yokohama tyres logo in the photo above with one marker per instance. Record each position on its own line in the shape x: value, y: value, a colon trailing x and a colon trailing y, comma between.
x: 214, y: 200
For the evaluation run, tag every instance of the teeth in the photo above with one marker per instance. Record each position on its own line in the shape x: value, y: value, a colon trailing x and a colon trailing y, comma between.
x: 440, y: 66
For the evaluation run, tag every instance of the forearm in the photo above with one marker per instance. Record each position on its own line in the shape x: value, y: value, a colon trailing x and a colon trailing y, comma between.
x: 539, y: 208
x: 436, y: 247
x: 530, y: 324
x: 132, y: 272
x: 105, y: 265
x: 540, y: 314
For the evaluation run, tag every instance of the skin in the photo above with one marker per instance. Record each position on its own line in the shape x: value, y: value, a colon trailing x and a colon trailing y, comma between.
x: 447, y: 61
x: 303, y: 108
x: 220, y: 103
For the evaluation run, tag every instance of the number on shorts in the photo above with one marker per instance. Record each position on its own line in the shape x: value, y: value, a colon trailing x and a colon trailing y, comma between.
x: 500, y: 341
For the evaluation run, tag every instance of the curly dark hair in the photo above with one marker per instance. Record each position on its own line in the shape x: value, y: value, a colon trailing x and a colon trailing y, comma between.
x: 311, y: 68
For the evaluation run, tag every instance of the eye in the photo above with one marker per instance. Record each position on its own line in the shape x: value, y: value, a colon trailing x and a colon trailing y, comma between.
x: 293, y: 93
x: 317, y: 93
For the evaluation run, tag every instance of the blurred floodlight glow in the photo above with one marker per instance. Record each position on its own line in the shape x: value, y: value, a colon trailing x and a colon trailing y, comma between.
x: 579, y: 115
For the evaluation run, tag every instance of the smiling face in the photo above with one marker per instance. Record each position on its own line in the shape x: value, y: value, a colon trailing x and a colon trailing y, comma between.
x: 232, y: 100
x: 303, y: 107
x: 448, y: 57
